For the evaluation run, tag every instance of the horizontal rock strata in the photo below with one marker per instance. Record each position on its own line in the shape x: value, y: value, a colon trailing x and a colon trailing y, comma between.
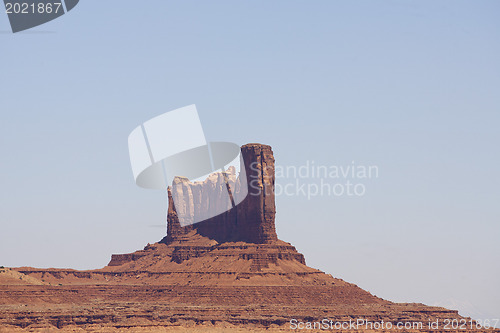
x: 230, y: 269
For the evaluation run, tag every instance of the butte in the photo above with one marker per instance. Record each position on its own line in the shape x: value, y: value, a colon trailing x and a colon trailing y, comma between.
x: 229, y: 272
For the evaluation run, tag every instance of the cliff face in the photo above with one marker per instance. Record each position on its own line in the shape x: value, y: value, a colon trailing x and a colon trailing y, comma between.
x: 244, y: 234
x: 257, y: 212
x: 251, y: 220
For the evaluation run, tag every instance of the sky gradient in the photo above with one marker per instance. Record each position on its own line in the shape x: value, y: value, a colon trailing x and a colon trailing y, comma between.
x: 411, y: 87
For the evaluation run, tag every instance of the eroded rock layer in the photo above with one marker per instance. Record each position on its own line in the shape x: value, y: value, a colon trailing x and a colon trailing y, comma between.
x: 228, y: 270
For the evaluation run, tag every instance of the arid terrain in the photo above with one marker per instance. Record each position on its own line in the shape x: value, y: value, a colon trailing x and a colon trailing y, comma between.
x: 230, y: 273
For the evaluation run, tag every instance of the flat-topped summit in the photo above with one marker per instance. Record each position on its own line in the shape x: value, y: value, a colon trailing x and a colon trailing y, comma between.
x: 251, y: 220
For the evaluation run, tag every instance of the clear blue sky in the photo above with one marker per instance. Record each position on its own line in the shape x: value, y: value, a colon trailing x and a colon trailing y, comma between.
x: 409, y: 86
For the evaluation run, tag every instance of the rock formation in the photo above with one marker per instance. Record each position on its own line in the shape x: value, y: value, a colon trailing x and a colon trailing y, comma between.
x: 230, y: 269
x: 245, y: 232
x: 250, y: 221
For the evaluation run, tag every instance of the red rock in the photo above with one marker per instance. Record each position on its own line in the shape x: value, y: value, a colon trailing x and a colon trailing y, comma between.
x: 228, y: 270
x: 250, y: 221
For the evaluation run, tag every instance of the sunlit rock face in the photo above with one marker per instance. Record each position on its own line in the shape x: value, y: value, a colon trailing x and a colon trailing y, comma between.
x: 251, y: 220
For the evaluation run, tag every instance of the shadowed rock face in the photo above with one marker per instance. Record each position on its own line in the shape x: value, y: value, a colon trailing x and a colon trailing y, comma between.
x: 251, y: 221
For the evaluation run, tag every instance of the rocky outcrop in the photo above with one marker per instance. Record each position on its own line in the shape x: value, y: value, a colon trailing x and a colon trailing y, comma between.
x: 257, y: 212
x: 251, y: 220
x: 230, y: 269
x: 244, y: 233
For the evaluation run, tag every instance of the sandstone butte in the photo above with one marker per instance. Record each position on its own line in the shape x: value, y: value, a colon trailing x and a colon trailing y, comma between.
x: 229, y: 273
